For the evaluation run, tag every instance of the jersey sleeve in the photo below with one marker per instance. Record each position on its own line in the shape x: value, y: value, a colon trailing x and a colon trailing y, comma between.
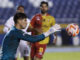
x: 30, y: 38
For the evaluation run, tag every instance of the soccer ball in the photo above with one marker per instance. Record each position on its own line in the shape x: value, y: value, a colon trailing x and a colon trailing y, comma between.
x: 72, y: 29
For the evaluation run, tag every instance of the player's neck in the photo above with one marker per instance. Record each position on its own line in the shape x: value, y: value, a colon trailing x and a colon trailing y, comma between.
x: 18, y: 26
x: 44, y: 14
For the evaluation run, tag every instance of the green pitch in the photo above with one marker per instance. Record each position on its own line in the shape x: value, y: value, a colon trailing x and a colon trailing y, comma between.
x: 61, y: 56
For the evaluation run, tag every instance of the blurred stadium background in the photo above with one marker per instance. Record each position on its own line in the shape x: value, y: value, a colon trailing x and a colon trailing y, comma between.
x: 64, y: 11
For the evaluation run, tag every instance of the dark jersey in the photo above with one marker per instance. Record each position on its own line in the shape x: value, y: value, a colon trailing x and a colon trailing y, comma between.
x: 11, y: 42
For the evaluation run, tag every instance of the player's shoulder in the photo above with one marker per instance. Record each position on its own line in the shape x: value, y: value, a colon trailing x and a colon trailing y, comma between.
x: 14, y: 31
x: 10, y: 32
x: 50, y: 16
x: 11, y: 18
x: 37, y: 15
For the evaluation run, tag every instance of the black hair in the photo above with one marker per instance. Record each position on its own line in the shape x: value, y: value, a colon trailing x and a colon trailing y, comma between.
x: 19, y: 16
x: 43, y: 2
x: 20, y: 6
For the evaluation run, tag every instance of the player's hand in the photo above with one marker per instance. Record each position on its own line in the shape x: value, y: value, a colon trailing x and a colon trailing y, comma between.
x: 53, y: 29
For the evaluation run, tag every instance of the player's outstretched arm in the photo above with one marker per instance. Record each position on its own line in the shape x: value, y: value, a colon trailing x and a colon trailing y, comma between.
x: 30, y: 38
x: 37, y: 38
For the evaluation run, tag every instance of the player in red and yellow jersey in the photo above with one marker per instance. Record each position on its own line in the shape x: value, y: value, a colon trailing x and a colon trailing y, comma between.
x: 41, y: 23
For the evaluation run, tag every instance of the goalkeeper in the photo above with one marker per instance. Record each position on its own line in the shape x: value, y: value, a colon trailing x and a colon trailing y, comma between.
x: 13, y: 37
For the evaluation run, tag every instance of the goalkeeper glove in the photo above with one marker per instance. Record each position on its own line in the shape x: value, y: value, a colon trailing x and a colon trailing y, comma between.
x: 53, y: 29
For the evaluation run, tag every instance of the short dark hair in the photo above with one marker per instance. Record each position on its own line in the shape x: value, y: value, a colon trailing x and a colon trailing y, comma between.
x: 20, y: 6
x: 19, y: 16
x: 43, y: 2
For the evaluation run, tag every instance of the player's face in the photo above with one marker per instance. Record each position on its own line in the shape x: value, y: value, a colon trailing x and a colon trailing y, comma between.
x: 44, y: 8
x: 23, y: 23
x: 20, y: 9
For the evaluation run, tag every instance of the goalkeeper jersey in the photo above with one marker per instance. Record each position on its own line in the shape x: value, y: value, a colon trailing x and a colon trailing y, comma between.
x: 11, y: 42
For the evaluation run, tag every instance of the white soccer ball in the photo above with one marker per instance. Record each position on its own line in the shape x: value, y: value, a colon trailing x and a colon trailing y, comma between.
x: 72, y: 29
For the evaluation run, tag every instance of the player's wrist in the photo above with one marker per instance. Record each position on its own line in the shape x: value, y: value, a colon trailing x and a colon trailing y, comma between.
x: 50, y: 31
x: 53, y: 29
x: 46, y: 34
